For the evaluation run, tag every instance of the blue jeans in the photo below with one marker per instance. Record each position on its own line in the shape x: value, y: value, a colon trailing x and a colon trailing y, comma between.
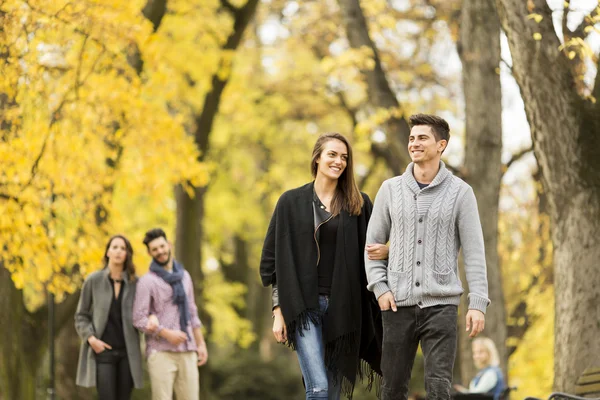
x: 311, y: 352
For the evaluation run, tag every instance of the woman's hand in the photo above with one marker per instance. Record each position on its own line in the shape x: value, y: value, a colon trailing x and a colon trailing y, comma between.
x: 377, y: 251
x: 279, y: 329
x: 152, y: 325
x: 98, y: 345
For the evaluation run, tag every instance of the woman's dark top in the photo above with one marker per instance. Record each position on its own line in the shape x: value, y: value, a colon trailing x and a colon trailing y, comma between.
x: 113, y: 334
x: 327, y: 240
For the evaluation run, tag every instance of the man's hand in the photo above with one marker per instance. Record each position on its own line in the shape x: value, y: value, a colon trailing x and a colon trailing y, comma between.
x: 279, y: 330
x: 152, y: 325
x: 387, y: 301
x: 174, y: 337
x: 460, y: 388
x: 202, y: 354
x: 475, y: 322
x: 377, y: 251
x: 98, y: 345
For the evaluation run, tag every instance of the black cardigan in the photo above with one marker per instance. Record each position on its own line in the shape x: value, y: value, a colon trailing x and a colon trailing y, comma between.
x: 352, y: 329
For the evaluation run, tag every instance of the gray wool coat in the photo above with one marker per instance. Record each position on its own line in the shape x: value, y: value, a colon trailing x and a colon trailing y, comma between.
x: 91, y: 318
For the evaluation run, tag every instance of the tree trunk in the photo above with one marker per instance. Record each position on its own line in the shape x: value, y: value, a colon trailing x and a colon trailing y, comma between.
x: 22, y: 342
x: 190, y: 211
x: 379, y: 92
x: 479, y: 50
x: 566, y: 137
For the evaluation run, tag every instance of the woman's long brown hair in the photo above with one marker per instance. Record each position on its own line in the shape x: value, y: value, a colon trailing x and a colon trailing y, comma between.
x: 347, y: 196
x: 128, y: 265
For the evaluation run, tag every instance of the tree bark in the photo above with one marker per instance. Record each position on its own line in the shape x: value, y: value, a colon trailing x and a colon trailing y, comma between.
x: 379, y: 91
x: 479, y: 50
x: 22, y: 342
x: 566, y: 135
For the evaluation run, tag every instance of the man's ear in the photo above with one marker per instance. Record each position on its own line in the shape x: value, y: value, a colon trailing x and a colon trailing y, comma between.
x: 442, y: 144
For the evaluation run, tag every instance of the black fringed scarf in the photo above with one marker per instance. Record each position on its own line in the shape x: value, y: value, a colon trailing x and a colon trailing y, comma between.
x: 352, y: 329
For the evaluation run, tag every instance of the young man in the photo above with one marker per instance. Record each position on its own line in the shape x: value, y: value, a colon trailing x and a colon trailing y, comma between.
x: 426, y: 214
x: 176, y: 349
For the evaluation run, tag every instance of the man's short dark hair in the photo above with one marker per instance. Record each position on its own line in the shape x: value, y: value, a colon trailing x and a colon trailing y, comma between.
x: 438, y: 125
x: 154, y: 234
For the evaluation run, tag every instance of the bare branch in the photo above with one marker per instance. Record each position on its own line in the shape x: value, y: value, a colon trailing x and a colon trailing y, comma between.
x: 516, y: 157
x: 363, y: 180
x: 154, y: 11
x: 507, y: 64
x: 565, y: 28
x: 9, y: 197
x: 457, y: 171
x: 229, y: 7
x: 75, y: 28
x: 80, y: 66
x: 596, y: 90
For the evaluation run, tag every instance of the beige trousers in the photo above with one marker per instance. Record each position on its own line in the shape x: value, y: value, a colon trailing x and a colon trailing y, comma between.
x: 177, y: 372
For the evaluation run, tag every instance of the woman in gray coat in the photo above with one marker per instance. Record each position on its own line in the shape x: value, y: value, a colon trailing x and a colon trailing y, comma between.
x: 110, y: 356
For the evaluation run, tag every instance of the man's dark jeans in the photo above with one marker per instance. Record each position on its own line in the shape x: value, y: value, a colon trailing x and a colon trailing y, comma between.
x: 435, y: 327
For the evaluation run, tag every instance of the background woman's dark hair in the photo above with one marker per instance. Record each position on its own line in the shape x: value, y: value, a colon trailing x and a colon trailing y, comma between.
x: 347, y: 196
x: 128, y: 265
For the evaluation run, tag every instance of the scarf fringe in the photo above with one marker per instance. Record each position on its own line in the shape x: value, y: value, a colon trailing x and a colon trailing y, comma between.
x: 300, y: 323
x: 343, y: 345
x: 365, y: 371
x: 372, y: 376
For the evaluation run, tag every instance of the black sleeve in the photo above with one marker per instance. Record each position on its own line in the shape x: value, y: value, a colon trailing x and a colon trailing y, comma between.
x: 267, y: 259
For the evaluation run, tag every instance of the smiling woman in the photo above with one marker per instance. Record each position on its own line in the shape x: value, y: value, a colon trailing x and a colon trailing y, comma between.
x: 317, y: 237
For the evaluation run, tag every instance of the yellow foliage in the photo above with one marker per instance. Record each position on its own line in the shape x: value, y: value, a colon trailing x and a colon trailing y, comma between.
x: 526, y: 257
x: 224, y: 298
x: 78, y: 122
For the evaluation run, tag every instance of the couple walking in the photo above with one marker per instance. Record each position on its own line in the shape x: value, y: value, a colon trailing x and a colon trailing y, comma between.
x: 352, y: 306
x: 115, y: 306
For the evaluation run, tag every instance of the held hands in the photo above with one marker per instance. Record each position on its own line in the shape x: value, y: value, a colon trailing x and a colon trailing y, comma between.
x: 279, y: 330
x: 202, y: 354
x: 98, y: 345
x: 387, y: 301
x: 152, y: 325
x: 377, y: 251
x: 175, y: 337
x: 475, y: 322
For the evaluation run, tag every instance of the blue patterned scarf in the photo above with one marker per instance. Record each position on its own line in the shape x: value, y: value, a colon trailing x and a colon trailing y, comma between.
x: 175, y: 279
